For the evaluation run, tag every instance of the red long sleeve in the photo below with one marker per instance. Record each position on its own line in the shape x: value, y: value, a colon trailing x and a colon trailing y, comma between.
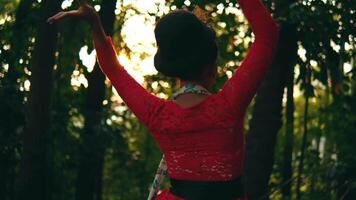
x: 242, y: 86
x: 142, y: 103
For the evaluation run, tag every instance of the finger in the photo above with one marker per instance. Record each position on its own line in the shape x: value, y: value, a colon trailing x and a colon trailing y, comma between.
x: 62, y: 15
x: 55, y: 17
x: 58, y: 17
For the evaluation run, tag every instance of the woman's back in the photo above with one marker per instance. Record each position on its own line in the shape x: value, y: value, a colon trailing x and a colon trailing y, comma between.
x: 202, y: 142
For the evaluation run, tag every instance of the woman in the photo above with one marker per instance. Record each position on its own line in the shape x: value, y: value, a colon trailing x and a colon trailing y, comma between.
x: 200, y: 134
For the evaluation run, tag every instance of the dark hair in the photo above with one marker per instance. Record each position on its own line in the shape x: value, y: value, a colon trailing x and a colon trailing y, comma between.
x: 185, y: 45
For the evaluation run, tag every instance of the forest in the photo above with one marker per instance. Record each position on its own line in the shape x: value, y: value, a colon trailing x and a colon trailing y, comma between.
x: 66, y: 134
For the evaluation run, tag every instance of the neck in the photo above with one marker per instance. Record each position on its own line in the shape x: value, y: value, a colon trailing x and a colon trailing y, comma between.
x: 193, y: 83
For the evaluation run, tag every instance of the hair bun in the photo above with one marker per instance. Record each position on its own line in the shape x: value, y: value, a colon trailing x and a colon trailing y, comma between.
x: 185, y: 45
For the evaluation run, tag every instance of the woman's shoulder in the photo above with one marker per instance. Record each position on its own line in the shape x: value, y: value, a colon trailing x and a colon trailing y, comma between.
x: 173, y: 115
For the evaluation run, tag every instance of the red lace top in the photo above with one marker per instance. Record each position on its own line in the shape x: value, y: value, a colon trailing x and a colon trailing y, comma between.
x: 203, y: 142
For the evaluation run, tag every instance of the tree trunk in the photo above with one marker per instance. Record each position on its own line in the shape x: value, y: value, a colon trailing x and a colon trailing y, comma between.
x: 289, y: 139
x: 33, y: 181
x: 11, y: 103
x: 335, y: 72
x: 304, y: 140
x: 266, y: 120
x: 89, y: 183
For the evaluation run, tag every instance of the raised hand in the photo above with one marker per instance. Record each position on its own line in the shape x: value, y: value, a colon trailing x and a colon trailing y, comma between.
x: 85, y: 12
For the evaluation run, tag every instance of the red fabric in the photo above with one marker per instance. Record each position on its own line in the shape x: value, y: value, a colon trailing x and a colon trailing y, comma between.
x: 203, y: 142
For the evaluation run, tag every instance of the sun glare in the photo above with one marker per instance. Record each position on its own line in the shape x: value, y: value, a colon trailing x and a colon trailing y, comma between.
x: 138, y: 34
x: 88, y: 60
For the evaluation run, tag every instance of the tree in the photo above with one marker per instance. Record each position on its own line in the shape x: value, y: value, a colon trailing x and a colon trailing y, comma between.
x: 89, y: 181
x: 287, y: 171
x: 305, y: 133
x: 282, y: 7
x: 11, y: 100
x: 266, y: 117
x: 34, y: 177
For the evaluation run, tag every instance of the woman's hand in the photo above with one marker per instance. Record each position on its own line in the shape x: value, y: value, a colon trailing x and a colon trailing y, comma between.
x: 86, y: 13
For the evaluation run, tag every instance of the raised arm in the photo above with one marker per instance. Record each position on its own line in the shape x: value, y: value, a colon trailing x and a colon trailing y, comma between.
x: 142, y: 103
x: 242, y: 86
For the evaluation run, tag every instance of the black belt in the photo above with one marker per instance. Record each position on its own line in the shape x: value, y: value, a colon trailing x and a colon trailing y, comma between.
x: 207, y: 190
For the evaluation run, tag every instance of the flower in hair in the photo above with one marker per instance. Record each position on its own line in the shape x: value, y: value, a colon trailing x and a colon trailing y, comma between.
x: 201, y: 14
